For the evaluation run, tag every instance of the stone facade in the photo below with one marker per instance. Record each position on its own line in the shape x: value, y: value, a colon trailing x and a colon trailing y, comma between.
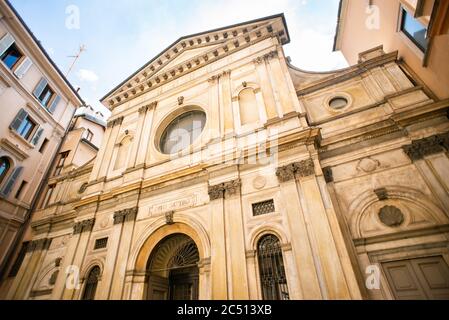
x: 351, y: 185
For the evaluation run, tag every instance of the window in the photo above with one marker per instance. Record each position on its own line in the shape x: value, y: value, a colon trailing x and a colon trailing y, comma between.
x: 338, y: 103
x: 262, y: 208
x: 101, y: 243
x: 18, y: 263
x: 43, y: 146
x: 11, y: 182
x: 271, y: 268
x: 89, y: 135
x: 46, y: 95
x: 91, y: 284
x: 11, y: 56
x: 5, y: 165
x: 21, y: 188
x: 414, y: 30
x: 26, y: 127
x: 60, y: 166
x: 182, y: 132
x: 47, y: 196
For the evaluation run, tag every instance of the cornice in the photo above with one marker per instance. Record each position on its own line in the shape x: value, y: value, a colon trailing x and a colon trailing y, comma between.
x: 228, y: 42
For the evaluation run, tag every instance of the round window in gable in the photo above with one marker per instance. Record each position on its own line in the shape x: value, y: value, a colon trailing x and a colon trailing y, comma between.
x: 338, y: 103
x: 182, y: 132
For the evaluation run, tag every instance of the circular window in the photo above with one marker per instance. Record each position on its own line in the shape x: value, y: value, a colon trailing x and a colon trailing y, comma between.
x: 338, y: 103
x: 182, y: 132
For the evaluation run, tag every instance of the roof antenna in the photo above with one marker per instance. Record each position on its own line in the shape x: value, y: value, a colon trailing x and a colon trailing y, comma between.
x: 75, y: 58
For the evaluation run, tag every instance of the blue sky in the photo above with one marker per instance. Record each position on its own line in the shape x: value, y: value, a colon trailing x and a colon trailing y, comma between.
x: 122, y: 35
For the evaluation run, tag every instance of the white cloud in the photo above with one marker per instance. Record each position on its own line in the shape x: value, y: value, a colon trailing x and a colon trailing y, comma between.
x: 87, y: 75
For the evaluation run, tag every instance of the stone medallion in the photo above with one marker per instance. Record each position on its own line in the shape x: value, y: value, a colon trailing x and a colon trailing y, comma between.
x: 368, y: 165
x: 259, y: 182
x: 391, y: 216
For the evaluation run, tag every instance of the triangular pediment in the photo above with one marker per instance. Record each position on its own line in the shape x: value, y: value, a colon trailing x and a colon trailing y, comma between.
x: 192, y: 52
x: 187, y: 55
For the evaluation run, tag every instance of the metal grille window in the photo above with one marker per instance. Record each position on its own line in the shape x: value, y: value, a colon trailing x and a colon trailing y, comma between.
x: 101, y: 243
x: 262, y: 208
x: 271, y: 268
x: 91, y: 284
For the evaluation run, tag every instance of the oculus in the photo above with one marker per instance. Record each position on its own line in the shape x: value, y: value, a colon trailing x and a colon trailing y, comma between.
x: 182, y: 132
x: 338, y: 103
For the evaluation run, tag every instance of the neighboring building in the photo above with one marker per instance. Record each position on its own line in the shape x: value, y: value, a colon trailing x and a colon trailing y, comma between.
x: 37, y: 104
x: 417, y: 29
x: 227, y: 173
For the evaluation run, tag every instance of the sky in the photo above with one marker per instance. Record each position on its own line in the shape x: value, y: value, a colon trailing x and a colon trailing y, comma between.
x: 120, y: 36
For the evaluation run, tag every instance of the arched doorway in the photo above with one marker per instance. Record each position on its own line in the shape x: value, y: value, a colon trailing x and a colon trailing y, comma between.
x: 172, y: 269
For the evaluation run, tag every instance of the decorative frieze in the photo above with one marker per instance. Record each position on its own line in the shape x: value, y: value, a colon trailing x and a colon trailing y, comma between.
x: 427, y: 146
x: 328, y: 174
x: 37, y: 245
x: 148, y: 107
x: 116, y: 122
x: 224, y: 189
x: 83, y: 226
x: 125, y: 215
x: 302, y: 169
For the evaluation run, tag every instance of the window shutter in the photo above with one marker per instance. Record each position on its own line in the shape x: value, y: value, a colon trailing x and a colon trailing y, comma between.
x: 15, y: 125
x: 40, y: 87
x: 54, y: 104
x: 23, y: 68
x: 37, y: 136
x: 5, y: 43
x: 11, y: 182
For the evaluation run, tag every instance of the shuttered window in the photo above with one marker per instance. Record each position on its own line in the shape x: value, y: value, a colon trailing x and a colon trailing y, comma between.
x: 47, y: 97
x: 9, y: 185
x: 26, y: 127
x: 23, y: 68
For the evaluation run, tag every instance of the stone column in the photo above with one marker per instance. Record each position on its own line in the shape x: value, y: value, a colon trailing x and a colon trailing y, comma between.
x: 345, y: 243
x: 127, y: 218
x: 280, y: 83
x: 137, y: 138
x: 144, y: 142
x: 107, y: 158
x: 433, y: 172
x: 100, y: 156
x: 301, y: 246
x: 267, y: 90
x: 216, y: 117
x: 204, y: 285
x: 235, y: 230
x: 226, y: 102
x: 84, y: 229
x: 219, y: 277
x: 30, y: 266
x: 333, y: 282
x: 252, y: 275
x: 111, y: 257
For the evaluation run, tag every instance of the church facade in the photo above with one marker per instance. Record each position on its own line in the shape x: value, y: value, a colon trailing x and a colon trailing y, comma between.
x: 227, y: 173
